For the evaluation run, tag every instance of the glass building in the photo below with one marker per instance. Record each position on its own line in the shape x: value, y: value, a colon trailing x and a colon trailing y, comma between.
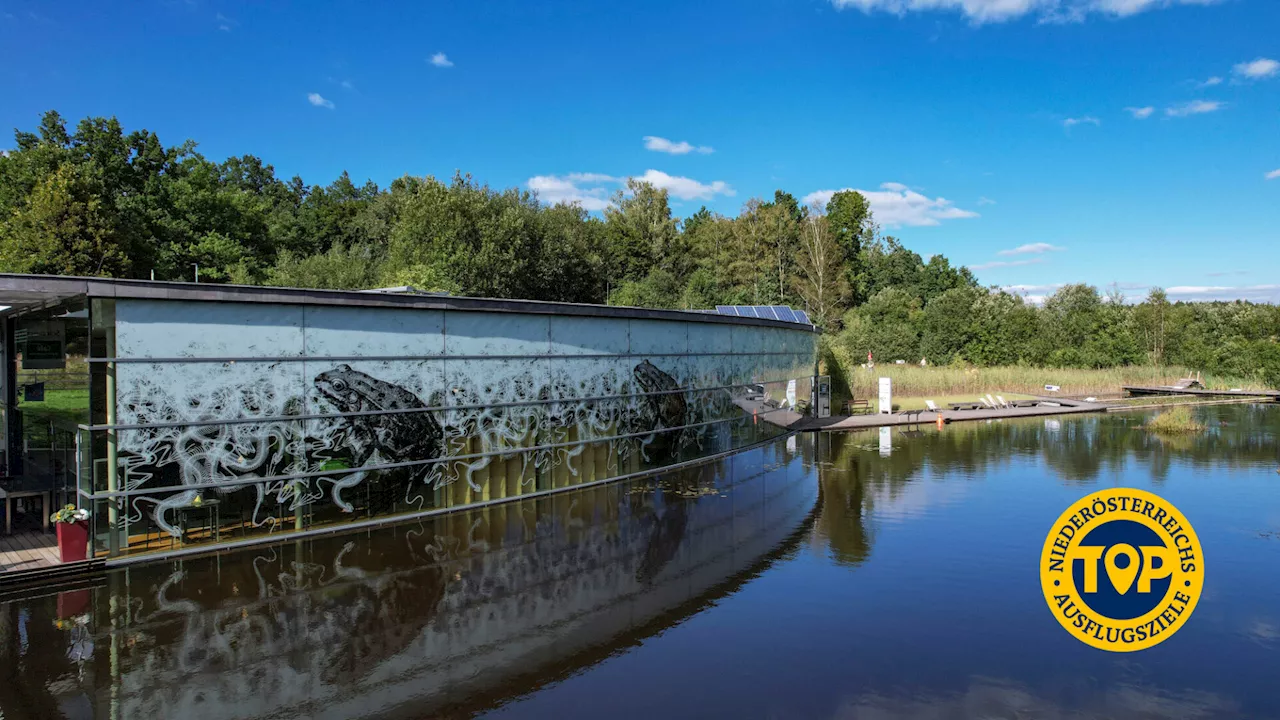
x: 186, y: 416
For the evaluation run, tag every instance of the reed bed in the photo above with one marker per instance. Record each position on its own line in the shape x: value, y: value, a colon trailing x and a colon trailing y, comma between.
x: 916, y: 381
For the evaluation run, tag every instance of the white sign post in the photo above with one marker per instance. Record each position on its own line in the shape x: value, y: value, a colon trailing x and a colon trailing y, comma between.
x: 886, y: 396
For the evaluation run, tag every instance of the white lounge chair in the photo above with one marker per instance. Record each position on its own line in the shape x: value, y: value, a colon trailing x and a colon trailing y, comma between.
x: 993, y: 402
x: 1003, y: 402
x: 986, y: 402
x: 932, y: 408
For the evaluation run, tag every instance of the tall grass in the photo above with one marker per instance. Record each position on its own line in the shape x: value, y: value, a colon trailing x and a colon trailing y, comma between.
x: 916, y: 381
x: 1175, y: 420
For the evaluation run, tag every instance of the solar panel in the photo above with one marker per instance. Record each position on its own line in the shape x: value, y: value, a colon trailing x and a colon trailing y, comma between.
x: 726, y: 310
x: 766, y: 312
x: 801, y: 316
x: 746, y: 311
x: 784, y: 313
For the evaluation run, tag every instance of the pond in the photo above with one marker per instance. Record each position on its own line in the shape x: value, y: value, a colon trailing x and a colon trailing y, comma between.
x: 860, y: 575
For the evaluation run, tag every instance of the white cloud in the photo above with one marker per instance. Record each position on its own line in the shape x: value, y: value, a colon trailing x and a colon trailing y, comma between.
x: 895, y: 204
x: 593, y: 190
x: 319, y: 100
x: 1034, y: 294
x: 1195, y: 107
x: 1257, y: 69
x: 1215, y: 80
x: 441, y: 60
x: 1257, y: 293
x: 347, y: 85
x: 1031, y: 249
x: 1141, y: 113
x: 224, y: 22
x: 984, y: 11
x: 986, y: 201
x: 1273, y: 174
x: 686, y: 188
x: 658, y: 144
x: 1227, y: 272
x: 569, y: 189
x: 1070, y: 122
x: 1006, y: 263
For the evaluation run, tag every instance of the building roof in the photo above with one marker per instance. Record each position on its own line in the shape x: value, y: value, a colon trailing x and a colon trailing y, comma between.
x: 23, y: 292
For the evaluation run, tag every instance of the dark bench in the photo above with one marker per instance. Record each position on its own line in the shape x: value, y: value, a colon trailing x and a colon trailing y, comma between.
x: 908, y: 413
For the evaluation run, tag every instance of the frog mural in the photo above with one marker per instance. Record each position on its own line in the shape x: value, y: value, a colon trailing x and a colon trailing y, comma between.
x: 275, y: 436
x: 401, y: 430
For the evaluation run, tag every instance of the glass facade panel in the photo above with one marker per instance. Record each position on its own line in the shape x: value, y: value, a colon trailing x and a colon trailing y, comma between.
x: 236, y: 422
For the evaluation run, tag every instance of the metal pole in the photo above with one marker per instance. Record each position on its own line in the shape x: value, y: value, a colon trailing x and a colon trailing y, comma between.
x: 113, y: 482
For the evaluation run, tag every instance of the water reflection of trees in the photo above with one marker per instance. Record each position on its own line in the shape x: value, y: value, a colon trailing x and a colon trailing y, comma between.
x: 855, y: 477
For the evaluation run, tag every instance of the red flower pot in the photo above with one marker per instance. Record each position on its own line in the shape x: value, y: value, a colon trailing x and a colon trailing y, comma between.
x: 73, y: 540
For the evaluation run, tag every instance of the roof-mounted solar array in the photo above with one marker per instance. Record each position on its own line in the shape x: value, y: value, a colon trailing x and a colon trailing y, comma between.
x: 768, y: 312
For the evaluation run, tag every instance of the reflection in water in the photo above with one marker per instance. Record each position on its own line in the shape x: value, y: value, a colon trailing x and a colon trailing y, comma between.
x: 685, y: 596
x: 456, y: 613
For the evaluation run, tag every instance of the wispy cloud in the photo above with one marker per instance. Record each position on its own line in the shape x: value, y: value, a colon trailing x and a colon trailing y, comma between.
x: 1215, y: 80
x: 441, y: 60
x: 1257, y: 69
x: 658, y: 144
x: 1257, y: 293
x: 1087, y: 119
x: 1273, y: 174
x: 1195, y: 107
x: 991, y: 11
x: 1141, y: 113
x: 894, y: 204
x: 1006, y: 263
x: 1227, y: 272
x: 1031, y: 249
x: 319, y: 100
x: 224, y: 23
x: 593, y: 190
x: 986, y: 201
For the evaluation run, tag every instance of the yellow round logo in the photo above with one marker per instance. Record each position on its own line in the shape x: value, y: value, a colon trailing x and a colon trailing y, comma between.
x: 1122, y: 569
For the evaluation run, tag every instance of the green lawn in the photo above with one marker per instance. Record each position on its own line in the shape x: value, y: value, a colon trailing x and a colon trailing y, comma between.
x: 64, y: 407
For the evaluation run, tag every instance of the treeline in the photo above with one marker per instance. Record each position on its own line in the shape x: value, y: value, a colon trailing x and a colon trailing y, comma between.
x: 1074, y: 327
x: 100, y: 201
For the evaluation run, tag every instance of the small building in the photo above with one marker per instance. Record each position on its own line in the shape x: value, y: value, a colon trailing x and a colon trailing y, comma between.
x: 186, y: 416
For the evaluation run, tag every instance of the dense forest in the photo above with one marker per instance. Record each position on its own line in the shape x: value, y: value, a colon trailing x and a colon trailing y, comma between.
x: 100, y: 201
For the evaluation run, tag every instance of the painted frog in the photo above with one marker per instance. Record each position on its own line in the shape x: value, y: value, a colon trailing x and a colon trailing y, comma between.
x: 397, y: 437
x: 669, y: 408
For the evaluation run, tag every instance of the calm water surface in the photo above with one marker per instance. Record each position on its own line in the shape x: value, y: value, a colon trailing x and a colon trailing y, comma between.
x: 860, y: 575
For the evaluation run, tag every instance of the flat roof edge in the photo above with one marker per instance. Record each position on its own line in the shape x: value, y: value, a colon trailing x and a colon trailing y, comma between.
x: 58, y: 285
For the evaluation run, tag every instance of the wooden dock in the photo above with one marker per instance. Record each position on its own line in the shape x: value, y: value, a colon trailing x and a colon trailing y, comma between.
x: 795, y: 421
x: 28, y: 551
x: 1137, y: 390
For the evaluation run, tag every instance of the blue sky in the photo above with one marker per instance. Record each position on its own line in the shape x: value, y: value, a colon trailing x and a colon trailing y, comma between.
x: 1037, y: 141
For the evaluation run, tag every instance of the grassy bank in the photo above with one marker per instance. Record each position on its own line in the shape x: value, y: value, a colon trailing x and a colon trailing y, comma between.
x: 912, y: 381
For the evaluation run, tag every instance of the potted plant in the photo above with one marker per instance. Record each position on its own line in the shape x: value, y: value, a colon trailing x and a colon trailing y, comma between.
x: 73, y: 533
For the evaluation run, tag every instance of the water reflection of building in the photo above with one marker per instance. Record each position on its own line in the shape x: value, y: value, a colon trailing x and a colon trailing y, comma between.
x: 216, y: 414
x: 453, y: 612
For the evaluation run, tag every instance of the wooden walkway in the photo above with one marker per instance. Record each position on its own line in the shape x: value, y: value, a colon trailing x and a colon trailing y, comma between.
x: 28, y: 551
x: 1175, y: 390
x: 795, y: 421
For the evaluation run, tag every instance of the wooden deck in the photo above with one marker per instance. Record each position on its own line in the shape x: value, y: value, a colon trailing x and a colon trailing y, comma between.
x: 1175, y: 390
x: 795, y: 421
x: 28, y: 551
